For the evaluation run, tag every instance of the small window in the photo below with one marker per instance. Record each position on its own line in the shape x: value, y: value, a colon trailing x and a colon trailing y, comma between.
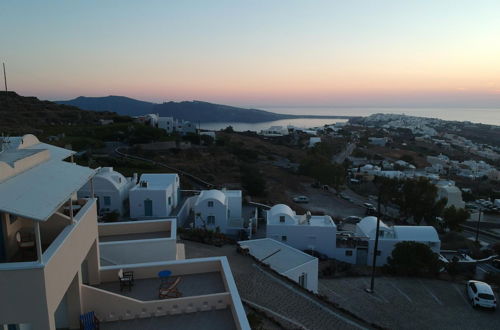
x: 282, y: 218
x: 348, y: 253
x: 210, y: 204
x: 283, y: 238
x: 211, y: 220
x: 12, y: 218
x: 170, y: 201
x: 107, y: 200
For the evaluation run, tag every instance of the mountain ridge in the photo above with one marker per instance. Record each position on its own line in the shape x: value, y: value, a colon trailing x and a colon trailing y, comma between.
x: 196, y: 111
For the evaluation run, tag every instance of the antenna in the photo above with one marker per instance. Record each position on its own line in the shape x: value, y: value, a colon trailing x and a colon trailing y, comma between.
x: 5, y: 77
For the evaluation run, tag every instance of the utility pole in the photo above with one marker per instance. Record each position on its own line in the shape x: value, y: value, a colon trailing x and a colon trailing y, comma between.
x: 5, y: 77
x: 478, y: 221
x: 375, y: 248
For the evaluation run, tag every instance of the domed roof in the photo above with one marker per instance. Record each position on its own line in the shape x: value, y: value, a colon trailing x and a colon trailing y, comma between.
x: 281, y: 209
x: 368, y: 225
x: 211, y: 194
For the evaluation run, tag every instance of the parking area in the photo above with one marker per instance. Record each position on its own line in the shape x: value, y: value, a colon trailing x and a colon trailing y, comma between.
x: 329, y: 203
x: 409, y: 303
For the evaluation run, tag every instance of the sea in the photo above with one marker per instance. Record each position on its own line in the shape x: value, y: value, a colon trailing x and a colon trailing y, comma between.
x: 490, y: 116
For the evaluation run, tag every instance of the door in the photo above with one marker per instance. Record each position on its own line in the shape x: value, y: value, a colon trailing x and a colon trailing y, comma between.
x: 148, y: 208
x: 362, y: 257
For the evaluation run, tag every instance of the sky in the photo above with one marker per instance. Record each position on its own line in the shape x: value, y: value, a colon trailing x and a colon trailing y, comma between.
x: 257, y: 53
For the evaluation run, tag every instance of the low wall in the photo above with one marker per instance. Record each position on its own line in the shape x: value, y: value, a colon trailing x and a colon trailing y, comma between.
x: 151, y: 270
x: 137, y: 227
x: 109, y: 306
x: 139, y: 251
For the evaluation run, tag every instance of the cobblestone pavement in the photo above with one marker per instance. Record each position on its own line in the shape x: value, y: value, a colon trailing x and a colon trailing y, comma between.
x: 409, y: 303
x: 263, y: 288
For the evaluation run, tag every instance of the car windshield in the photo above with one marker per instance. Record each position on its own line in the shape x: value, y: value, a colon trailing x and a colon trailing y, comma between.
x: 486, y: 296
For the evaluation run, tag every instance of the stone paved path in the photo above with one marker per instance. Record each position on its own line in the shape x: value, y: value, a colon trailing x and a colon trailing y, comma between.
x: 265, y: 289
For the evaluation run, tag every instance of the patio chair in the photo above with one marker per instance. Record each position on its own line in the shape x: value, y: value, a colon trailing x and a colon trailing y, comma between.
x: 126, y: 279
x: 89, y: 321
x: 169, y: 290
x: 25, y: 242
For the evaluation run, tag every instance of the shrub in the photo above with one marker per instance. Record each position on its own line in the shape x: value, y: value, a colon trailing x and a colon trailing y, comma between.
x: 413, y: 259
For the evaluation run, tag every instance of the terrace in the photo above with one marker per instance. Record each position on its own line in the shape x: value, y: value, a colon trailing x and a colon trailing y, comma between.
x: 190, y: 285
x: 208, y: 297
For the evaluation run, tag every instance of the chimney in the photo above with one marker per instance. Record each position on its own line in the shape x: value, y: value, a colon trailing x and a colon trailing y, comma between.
x: 134, y: 178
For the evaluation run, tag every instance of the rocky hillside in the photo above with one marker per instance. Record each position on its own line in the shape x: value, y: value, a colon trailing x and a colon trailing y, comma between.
x: 20, y: 114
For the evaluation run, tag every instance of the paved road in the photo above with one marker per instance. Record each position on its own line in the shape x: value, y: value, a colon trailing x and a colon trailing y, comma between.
x: 265, y: 289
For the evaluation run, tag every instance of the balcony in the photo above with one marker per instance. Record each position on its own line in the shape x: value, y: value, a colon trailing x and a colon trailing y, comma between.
x: 50, y: 230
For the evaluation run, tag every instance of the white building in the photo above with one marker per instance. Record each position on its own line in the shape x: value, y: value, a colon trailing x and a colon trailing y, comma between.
x: 219, y: 209
x: 313, y: 141
x: 111, y: 189
x: 58, y: 272
x: 156, y: 195
x: 451, y: 192
x: 275, y: 131
x: 389, y: 237
x: 302, y: 232
x: 166, y: 123
x: 287, y: 261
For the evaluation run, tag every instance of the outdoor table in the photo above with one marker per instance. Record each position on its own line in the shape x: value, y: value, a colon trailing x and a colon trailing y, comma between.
x: 164, y: 275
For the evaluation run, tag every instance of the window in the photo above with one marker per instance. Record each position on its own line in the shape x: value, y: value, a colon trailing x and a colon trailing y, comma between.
x: 283, y: 238
x: 12, y: 218
x: 303, y: 280
x: 348, y: 253
x: 211, y: 220
x: 282, y: 218
x: 107, y: 200
x: 210, y: 204
x: 170, y: 201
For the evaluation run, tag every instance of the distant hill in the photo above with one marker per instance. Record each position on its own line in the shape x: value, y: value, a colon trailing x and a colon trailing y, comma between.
x: 196, y: 111
x: 120, y: 104
x: 21, y: 114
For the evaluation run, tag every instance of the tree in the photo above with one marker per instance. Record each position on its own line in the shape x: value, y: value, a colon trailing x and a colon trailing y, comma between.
x: 454, y: 217
x: 413, y: 259
x: 417, y: 199
x: 322, y: 170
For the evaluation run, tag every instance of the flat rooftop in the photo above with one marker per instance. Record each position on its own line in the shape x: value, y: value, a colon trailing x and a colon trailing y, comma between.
x: 279, y: 256
x: 221, y: 319
x: 131, y: 237
x: 190, y: 285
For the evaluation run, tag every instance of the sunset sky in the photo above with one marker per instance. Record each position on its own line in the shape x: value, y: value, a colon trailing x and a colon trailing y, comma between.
x: 257, y: 53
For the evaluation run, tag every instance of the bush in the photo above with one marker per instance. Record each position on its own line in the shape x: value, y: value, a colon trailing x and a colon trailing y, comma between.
x: 413, y: 259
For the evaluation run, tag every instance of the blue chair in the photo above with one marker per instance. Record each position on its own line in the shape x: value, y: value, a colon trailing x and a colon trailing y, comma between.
x: 89, y: 321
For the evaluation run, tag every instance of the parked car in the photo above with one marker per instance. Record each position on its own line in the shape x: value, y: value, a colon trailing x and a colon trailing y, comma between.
x: 301, y: 199
x: 481, y: 295
x: 351, y: 219
x: 368, y: 205
x: 344, y: 196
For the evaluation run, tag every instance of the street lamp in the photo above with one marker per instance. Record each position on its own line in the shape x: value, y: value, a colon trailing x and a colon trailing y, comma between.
x: 478, y: 221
